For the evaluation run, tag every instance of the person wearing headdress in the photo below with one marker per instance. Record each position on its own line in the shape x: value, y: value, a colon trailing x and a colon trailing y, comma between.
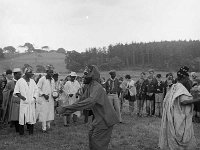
x: 176, y: 132
x: 15, y: 101
x: 46, y: 87
x: 96, y: 98
x: 27, y: 90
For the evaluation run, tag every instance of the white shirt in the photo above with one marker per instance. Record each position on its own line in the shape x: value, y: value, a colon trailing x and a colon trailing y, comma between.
x: 71, y: 87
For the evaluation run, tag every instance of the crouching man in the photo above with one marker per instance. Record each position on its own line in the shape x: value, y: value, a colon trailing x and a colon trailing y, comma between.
x: 95, y: 97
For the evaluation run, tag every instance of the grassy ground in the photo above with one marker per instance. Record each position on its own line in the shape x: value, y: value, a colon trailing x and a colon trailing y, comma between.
x: 136, y: 134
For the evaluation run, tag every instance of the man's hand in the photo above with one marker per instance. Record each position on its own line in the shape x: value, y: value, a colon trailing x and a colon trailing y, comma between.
x: 23, y: 98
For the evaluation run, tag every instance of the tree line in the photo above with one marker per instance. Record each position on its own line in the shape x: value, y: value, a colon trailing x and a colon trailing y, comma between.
x: 164, y: 55
x: 11, y: 50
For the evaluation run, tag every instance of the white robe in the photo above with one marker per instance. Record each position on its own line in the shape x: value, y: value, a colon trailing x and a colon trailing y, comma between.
x: 72, y: 88
x: 45, y: 108
x: 176, y: 132
x: 27, y: 107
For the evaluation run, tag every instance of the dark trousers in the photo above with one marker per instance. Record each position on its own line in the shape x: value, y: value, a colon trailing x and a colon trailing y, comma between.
x: 30, y: 128
x: 88, y: 113
x: 99, y: 138
x: 16, y: 124
x: 150, y: 105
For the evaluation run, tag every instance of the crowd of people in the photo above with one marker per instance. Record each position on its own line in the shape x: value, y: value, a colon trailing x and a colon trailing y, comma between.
x: 26, y: 99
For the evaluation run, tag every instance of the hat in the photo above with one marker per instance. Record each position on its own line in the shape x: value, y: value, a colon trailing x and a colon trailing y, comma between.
x: 73, y: 74
x: 16, y: 70
x: 184, y: 68
x: 183, y: 72
x: 112, y: 72
x: 151, y: 70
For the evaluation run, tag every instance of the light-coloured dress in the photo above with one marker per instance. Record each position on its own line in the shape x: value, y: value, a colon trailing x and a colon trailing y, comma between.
x: 45, y: 108
x: 176, y: 131
x: 27, y: 107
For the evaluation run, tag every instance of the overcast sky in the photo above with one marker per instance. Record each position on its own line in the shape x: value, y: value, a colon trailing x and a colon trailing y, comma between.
x: 79, y: 24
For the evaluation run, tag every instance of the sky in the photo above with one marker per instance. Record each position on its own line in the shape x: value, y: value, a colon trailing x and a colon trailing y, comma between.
x: 80, y: 24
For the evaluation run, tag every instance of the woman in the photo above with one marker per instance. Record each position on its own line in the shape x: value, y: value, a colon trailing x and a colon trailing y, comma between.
x: 131, y: 93
x: 176, y: 131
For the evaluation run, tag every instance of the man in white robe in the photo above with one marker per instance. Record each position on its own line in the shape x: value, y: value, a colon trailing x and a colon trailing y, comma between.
x: 26, y: 89
x: 71, y: 89
x: 176, y: 131
x: 46, y: 86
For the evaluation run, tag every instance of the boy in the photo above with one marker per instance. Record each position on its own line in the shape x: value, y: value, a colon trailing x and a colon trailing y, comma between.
x: 150, y: 96
x: 159, y: 92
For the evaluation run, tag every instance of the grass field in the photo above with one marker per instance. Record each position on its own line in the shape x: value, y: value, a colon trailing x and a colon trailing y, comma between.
x: 136, y: 134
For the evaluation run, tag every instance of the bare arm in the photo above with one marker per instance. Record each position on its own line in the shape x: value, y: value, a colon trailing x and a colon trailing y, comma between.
x: 190, y: 102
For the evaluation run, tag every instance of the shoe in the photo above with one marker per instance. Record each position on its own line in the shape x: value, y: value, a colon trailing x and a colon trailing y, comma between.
x: 66, y: 125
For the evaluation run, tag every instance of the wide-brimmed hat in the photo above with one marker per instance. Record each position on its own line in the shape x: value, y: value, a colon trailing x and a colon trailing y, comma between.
x: 73, y: 74
x: 151, y: 70
x: 16, y: 70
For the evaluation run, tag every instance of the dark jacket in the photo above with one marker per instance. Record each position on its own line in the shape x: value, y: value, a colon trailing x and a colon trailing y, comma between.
x: 140, y: 88
x: 159, y: 87
x: 109, y: 86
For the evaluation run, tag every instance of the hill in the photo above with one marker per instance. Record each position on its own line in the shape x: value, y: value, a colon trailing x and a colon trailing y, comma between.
x: 34, y: 59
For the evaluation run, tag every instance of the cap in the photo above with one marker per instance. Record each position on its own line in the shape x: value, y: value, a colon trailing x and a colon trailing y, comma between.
x: 16, y: 70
